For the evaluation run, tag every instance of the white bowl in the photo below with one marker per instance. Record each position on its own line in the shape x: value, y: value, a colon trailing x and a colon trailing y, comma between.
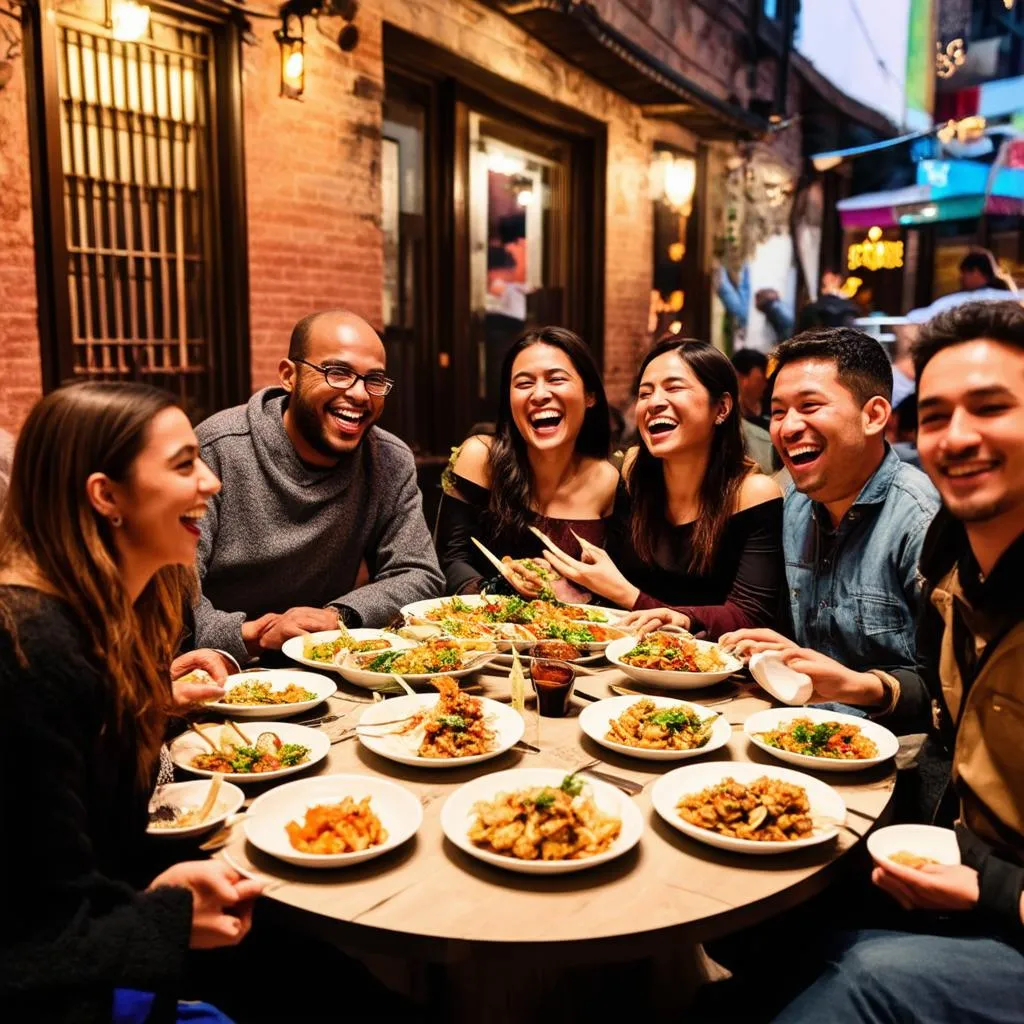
x: 189, y: 796
x: 368, y: 680
x: 765, y: 721
x: 279, y: 678
x: 598, y: 616
x: 400, y: 812
x: 785, y: 684
x: 188, y: 744
x: 671, y: 788
x: 457, y: 817
x: 925, y: 840
x: 507, y: 724
x: 669, y: 680
x: 292, y: 648
x: 594, y: 720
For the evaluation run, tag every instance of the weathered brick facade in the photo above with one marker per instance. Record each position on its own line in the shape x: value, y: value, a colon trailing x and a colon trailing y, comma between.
x: 313, y: 171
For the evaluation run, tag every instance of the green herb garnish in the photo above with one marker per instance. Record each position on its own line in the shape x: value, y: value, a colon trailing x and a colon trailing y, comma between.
x: 454, y: 722
x: 545, y: 801
x: 674, y: 719
x: 384, y: 661
x: 572, y: 784
x: 568, y: 632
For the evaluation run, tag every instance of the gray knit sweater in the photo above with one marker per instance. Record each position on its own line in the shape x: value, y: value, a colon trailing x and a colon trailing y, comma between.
x: 281, y: 535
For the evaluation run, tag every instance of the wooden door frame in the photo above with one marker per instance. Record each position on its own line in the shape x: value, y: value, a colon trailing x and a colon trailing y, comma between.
x: 460, y: 85
x: 229, y: 257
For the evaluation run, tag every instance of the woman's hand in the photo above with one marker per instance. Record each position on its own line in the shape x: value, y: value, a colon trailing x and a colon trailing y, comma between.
x: 597, y: 572
x: 222, y: 901
x: 650, y: 619
x: 933, y: 887
x: 192, y: 689
x: 521, y: 579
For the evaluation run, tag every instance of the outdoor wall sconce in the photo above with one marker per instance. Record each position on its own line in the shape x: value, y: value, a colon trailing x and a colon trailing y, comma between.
x: 293, y: 58
x: 673, y: 180
x: 127, y: 20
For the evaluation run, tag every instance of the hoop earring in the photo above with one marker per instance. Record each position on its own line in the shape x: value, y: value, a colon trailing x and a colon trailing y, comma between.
x: 116, y: 520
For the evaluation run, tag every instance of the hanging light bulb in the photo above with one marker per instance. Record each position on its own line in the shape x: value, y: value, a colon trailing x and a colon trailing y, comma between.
x: 293, y: 58
x: 128, y: 20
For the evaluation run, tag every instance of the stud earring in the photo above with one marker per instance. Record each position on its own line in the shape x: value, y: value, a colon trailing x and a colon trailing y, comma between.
x: 116, y: 520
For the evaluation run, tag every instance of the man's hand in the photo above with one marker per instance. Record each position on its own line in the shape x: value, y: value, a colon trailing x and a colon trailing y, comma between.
x: 833, y: 681
x: 189, y: 691
x: 253, y: 629
x: 933, y: 887
x: 764, y: 297
x: 748, y: 642
x: 650, y: 619
x: 296, y: 621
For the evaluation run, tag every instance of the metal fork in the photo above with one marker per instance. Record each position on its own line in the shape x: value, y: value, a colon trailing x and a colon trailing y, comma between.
x: 628, y: 786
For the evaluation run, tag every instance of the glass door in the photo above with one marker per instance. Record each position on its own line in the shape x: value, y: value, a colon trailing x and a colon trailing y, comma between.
x: 516, y: 222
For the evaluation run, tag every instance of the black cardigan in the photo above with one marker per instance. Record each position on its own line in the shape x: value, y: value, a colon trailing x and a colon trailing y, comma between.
x: 73, y: 830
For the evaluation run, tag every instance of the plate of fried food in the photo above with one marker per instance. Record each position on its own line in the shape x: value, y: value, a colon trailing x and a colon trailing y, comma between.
x: 274, y: 693
x: 654, y: 728
x: 449, y: 729
x: 328, y: 648
x: 333, y: 821
x: 541, y: 821
x: 914, y: 846
x: 179, y: 810
x: 515, y: 621
x: 267, y: 750
x: 821, y: 740
x: 418, y: 663
x: 749, y: 808
x: 672, y: 661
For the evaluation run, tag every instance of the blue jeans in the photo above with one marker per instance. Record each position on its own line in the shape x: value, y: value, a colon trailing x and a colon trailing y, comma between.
x: 882, y: 977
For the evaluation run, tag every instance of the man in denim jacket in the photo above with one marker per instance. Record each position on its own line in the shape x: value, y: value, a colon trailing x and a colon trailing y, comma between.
x: 856, y: 515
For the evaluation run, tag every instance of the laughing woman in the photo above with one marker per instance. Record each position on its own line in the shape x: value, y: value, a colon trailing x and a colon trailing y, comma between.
x: 97, y: 548
x: 546, y: 467
x: 696, y: 537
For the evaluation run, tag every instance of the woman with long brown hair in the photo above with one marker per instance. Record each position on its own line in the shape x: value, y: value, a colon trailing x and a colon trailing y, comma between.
x: 696, y: 536
x: 97, y: 548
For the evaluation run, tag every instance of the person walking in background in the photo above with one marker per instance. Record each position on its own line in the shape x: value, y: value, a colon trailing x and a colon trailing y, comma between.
x: 831, y: 308
x: 979, y: 269
x: 751, y: 369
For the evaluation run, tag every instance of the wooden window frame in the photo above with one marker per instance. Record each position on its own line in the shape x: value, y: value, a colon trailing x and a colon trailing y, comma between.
x: 229, y: 328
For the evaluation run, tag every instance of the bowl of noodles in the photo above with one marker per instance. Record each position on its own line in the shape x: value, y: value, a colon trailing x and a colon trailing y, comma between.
x: 672, y: 661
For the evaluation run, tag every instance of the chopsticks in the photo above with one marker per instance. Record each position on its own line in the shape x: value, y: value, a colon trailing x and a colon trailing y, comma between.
x: 492, y: 558
x: 211, y: 799
x: 202, y: 735
x: 550, y: 544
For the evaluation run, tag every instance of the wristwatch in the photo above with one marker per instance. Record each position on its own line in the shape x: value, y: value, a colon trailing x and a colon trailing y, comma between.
x: 348, y: 618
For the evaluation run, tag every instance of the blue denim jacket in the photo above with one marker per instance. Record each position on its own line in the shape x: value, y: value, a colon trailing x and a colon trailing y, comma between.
x: 855, y: 598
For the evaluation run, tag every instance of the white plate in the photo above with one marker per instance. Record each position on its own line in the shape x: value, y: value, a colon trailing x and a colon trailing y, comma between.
x: 925, y: 840
x: 457, y: 816
x: 669, y: 680
x: 189, y: 796
x: 507, y: 724
x: 383, y: 680
x: 188, y: 744
x: 692, y: 778
x: 765, y: 721
x: 594, y: 720
x: 608, y: 617
x: 400, y: 812
x: 279, y: 678
x: 292, y: 648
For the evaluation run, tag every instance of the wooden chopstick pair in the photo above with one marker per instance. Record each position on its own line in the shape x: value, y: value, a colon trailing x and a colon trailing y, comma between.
x: 213, y: 746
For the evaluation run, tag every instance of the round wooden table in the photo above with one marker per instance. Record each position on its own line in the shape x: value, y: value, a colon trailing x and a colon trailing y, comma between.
x: 428, y: 903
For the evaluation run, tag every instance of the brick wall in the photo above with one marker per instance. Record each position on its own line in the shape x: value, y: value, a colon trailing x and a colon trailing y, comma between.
x: 20, y: 378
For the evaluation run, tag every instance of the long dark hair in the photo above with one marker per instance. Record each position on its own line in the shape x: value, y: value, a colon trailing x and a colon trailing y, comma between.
x: 50, y: 533
x: 511, y: 484
x: 726, y: 470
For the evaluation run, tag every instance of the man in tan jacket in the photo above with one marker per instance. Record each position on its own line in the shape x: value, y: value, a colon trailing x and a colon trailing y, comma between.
x: 961, y: 958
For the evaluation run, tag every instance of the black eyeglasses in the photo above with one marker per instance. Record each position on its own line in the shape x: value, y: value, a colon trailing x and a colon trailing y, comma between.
x: 344, y: 377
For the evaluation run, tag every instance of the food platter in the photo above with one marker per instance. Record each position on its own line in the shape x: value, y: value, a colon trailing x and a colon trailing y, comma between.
x: 826, y: 806
x: 398, y: 810
x: 886, y: 743
x: 594, y: 721
x: 294, y: 646
x: 477, y: 655
x: 505, y: 723
x: 426, y: 614
x: 459, y: 814
x: 672, y: 679
x: 278, y: 680
x: 188, y: 745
